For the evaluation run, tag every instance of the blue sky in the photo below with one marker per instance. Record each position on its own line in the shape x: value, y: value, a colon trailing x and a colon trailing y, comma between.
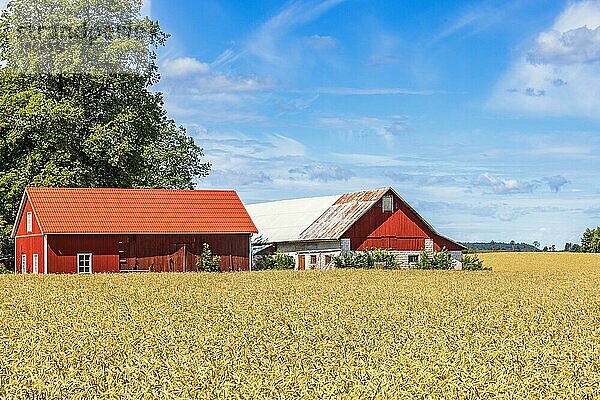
x: 484, y: 115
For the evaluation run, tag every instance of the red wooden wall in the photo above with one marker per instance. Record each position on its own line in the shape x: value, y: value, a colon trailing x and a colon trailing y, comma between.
x: 29, y: 243
x: 159, y: 253
x: 399, y: 230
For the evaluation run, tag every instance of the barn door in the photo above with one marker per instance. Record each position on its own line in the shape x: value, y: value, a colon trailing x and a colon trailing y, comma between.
x: 190, y: 263
x: 178, y: 260
x: 301, y: 263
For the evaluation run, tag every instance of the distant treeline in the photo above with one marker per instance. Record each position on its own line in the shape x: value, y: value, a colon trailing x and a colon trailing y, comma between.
x: 501, y: 246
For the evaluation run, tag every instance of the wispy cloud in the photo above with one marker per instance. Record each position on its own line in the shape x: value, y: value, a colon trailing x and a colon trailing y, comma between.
x: 349, y: 91
x: 320, y: 42
x: 380, y: 61
x: 479, y: 17
x: 366, y: 126
x: 503, y: 185
x: 232, y: 83
x: 237, y: 178
x: 322, y: 172
x: 266, y: 44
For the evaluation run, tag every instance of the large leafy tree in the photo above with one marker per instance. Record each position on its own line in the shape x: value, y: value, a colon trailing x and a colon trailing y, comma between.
x: 76, y: 105
x: 590, y: 242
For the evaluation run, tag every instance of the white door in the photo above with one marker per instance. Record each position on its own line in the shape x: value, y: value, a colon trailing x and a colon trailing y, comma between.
x: 23, y: 263
x: 36, y: 260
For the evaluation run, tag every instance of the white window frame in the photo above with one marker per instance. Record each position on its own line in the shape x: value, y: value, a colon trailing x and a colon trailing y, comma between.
x: 23, y: 263
x: 35, y: 262
x: 387, y: 204
x: 79, y: 257
x: 29, y: 222
x: 412, y: 256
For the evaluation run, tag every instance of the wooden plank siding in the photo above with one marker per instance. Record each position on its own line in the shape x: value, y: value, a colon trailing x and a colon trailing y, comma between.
x: 158, y: 253
x: 29, y: 243
x: 400, y: 230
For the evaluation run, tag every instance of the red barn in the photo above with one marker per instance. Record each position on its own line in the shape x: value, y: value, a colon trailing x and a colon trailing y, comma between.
x: 73, y: 231
x: 314, y: 229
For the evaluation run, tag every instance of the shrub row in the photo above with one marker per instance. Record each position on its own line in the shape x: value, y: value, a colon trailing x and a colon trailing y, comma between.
x: 370, y: 259
x: 277, y: 261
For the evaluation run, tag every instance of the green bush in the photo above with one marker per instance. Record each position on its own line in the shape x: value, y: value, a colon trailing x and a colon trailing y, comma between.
x: 472, y: 262
x: 277, y: 261
x: 207, y: 261
x: 4, y: 270
x: 439, y: 260
x: 370, y: 259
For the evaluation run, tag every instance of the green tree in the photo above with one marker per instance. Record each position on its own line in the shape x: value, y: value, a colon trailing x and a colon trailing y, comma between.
x: 207, y: 261
x: 80, y: 112
x: 472, y: 262
x: 575, y: 248
x: 590, y: 242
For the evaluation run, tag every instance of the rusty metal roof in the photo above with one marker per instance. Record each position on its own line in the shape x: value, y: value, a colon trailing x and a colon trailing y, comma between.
x: 318, y: 218
x: 338, y: 218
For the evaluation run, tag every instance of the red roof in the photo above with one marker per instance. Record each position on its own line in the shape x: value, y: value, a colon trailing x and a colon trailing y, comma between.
x: 139, y: 211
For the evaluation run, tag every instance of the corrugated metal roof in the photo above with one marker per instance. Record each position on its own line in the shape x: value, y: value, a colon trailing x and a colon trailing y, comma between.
x: 338, y: 218
x: 90, y: 211
x: 318, y: 218
x: 285, y: 220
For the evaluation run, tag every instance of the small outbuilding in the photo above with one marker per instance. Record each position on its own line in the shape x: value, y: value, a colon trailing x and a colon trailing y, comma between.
x: 60, y: 230
x: 315, y: 229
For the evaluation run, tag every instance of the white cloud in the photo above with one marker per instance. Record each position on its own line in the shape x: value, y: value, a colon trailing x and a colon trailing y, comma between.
x: 232, y: 83
x: 503, y: 186
x: 320, y: 42
x: 560, y: 74
x: 184, y: 66
x: 575, y: 46
x: 366, y: 126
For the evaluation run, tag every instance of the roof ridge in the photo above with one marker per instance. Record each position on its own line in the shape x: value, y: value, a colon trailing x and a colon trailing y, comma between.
x: 120, y: 210
x: 125, y: 189
x: 322, y: 197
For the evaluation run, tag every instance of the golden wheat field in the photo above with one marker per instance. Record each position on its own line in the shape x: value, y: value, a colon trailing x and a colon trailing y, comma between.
x: 529, y: 329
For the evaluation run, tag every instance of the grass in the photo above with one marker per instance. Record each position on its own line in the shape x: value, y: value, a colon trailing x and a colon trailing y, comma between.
x: 530, y: 329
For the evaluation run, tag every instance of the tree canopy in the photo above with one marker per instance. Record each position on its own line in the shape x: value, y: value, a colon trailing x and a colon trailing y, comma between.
x: 76, y: 103
x: 590, y: 242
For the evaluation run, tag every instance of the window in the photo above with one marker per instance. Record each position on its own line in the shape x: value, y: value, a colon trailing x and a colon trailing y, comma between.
x: 29, y: 222
x: 388, y: 203
x: 313, y: 259
x: 36, y: 260
x: 23, y: 263
x: 345, y: 246
x: 84, y: 263
x: 412, y: 259
x: 327, y: 260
